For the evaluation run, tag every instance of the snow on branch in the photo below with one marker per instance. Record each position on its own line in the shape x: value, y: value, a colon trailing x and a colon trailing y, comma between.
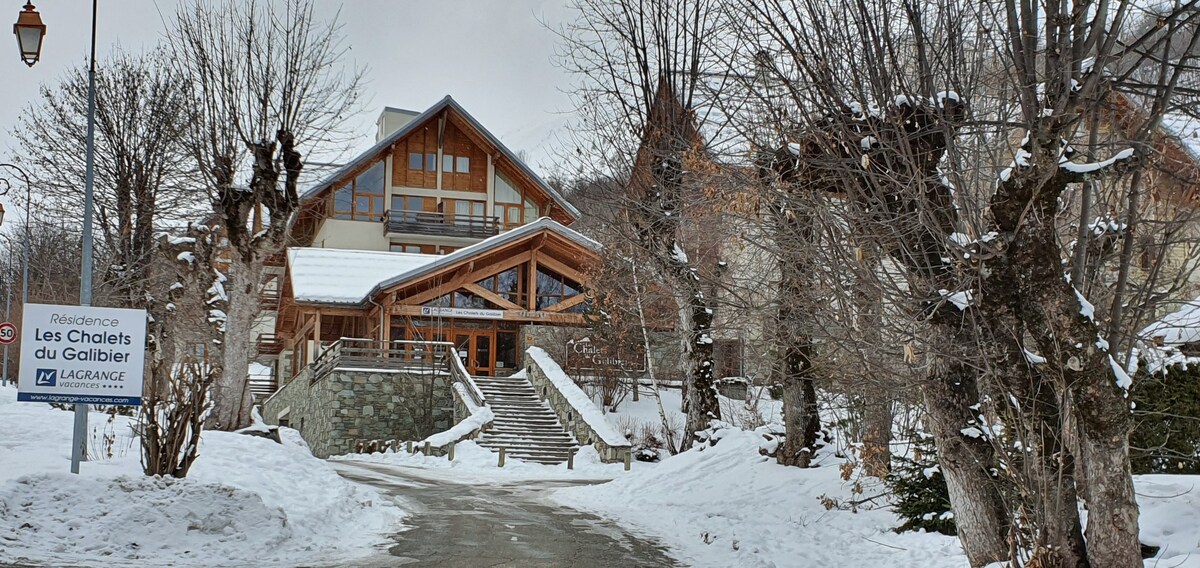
x: 1093, y: 169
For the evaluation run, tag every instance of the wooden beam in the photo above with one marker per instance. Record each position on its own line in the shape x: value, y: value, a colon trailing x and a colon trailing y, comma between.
x: 466, y: 278
x: 317, y: 330
x: 568, y: 303
x: 509, y: 315
x: 562, y: 269
x: 490, y: 296
x: 531, y: 284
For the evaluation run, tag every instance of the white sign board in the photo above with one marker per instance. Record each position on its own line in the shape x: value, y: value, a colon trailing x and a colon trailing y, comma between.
x: 76, y: 354
x: 462, y: 312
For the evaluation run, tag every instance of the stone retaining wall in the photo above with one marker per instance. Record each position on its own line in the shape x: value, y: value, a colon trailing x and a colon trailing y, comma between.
x: 569, y: 416
x: 345, y: 407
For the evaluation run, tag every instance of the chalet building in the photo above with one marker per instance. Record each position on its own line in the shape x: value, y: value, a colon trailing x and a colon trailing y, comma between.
x: 436, y: 233
x: 419, y: 274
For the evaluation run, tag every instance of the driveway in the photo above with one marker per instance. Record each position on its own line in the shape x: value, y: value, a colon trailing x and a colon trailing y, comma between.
x: 506, y: 524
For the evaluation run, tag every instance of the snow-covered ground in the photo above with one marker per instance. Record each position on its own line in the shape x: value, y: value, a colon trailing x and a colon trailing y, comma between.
x: 478, y: 465
x: 247, y: 501
x: 727, y: 505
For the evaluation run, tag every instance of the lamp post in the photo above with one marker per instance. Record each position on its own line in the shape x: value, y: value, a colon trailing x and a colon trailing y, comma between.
x: 29, y: 30
x: 79, y: 439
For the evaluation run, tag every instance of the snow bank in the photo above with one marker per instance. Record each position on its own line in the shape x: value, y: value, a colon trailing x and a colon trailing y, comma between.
x: 579, y: 400
x: 475, y: 464
x: 726, y: 505
x: 248, y: 501
x: 480, y: 417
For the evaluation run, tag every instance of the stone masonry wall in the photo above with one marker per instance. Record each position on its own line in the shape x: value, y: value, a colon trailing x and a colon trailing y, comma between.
x: 569, y: 416
x: 336, y: 412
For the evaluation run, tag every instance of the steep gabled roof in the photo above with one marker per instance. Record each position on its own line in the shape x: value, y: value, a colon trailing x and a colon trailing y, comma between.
x: 417, y: 122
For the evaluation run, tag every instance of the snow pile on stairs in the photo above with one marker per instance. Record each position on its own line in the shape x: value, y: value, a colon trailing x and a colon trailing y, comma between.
x: 247, y: 502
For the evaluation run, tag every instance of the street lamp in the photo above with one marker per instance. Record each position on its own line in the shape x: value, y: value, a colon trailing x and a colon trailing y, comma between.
x: 29, y: 30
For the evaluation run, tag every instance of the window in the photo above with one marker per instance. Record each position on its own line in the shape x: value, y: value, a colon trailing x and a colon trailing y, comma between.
x: 462, y: 165
x: 506, y: 350
x: 411, y: 248
x: 468, y: 212
x: 414, y: 160
x: 505, y: 191
x: 447, y: 163
x: 408, y: 207
x: 343, y: 202
x: 511, y: 208
x: 431, y: 162
x: 508, y: 285
x: 531, y: 210
x: 553, y: 288
x: 362, y: 198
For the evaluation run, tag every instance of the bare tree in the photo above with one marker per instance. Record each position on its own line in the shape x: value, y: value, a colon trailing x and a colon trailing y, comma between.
x: 141, y: 181
x: 640, y: 64
x: 267, y: 85
x: 994, y: 257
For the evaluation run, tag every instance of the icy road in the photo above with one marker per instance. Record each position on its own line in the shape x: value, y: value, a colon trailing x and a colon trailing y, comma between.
x: 506, y: 524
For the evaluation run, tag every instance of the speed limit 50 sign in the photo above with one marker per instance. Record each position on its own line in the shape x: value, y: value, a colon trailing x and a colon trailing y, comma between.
x: 8, y: 333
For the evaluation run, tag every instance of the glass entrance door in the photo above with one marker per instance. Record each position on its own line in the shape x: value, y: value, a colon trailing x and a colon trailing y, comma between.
x: 475, y: 350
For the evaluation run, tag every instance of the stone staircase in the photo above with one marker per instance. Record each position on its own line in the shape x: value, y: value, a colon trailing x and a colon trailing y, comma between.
x: 524, y: 424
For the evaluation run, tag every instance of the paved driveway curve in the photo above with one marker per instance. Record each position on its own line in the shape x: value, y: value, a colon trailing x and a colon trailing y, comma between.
x: 509, y: 524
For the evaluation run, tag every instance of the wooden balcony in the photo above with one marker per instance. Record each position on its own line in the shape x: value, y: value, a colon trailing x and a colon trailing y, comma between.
x: 268, y: 299
x: 440, y: 224
x: 268, y: 344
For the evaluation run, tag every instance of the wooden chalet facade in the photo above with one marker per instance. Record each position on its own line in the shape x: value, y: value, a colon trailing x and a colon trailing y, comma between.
x: 437, y: 233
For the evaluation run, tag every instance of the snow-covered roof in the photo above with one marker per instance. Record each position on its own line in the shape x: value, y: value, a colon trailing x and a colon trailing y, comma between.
x: 542, y: 224
x: 336, y: 276
x: 417, y: 122
x: 1162, y: 340
x: 1176, y: 328
x: 1186, y: 129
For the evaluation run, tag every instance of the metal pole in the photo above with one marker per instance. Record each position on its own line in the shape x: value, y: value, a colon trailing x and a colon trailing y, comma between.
x: 25, y: 268
x: 79, y: 438
x: 7, y: 307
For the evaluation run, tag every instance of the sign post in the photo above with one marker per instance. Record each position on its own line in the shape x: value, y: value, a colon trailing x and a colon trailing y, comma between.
x: 82, y: 355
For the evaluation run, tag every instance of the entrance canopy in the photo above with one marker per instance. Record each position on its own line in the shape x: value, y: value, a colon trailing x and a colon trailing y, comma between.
x: 475, y: 297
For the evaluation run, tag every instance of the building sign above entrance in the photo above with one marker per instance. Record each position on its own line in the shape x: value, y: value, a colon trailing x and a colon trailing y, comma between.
x: 461, y: 313
x: 82, y: 355
x: 586, y: 354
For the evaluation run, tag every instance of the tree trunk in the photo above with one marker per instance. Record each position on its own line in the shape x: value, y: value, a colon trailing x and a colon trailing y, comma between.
x: 1112, y: 530
x: 231, y: 393
x: 700, y: 396
x: 967, y: 461
x: 877, y: 433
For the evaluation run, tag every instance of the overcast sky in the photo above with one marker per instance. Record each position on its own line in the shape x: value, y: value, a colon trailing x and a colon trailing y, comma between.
x: 493, y: 56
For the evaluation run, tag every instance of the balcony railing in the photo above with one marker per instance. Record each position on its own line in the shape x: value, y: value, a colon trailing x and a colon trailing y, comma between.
x: 440, y: 224
x: 268, y: 344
